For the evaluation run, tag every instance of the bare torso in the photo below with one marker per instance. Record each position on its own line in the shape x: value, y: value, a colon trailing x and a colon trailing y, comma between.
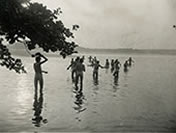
x: 37, y: 68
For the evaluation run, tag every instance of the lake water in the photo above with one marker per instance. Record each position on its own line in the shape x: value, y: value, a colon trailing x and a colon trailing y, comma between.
x: 142, y: 100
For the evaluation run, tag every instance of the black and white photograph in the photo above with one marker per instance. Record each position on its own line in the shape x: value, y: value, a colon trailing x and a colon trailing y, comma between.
x: 87, y: 66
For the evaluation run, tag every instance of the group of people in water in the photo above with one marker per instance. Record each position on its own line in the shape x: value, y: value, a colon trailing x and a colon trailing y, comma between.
x: 77, y: 74
x: 78, y: 68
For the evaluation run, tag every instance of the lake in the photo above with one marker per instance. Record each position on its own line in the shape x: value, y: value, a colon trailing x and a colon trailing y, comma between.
x: 142, y: 100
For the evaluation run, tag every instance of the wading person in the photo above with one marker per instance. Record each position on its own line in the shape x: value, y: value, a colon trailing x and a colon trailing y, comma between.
x: 112, y: 65
x: 107, y: 64
x: 130, y: 61
x: 117, y: 66
x: 38, y: 78
x: 72, y: 66
x: 90, y: 59
x: 80, y: 68
x: 96, y: 67
x: 125, y: 65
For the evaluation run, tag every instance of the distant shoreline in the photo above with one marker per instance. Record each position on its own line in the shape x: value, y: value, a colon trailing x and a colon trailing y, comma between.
x: 128, y: 51
x: 18, y: 49
x: 22, y: 52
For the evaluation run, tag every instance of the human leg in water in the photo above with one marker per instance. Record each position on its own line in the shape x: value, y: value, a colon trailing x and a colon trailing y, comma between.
x: 81, y: 83
x: 38, y: 79
x: 116, y: 77
x: 36, y: 84
x: 76, y: 82
x: 41, y: 85
x: 116, y: 74
x: 95, y: 75
x: 73, y: 75
x: 112, y: 69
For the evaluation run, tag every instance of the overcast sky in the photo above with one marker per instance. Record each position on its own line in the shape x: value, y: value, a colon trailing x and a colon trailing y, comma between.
x: 120, y: 23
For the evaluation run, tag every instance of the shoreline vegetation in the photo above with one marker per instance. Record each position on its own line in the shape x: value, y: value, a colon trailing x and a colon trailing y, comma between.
x: 19, y: 50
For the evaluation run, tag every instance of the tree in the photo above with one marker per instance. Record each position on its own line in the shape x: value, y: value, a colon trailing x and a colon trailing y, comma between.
x: 34, y: 25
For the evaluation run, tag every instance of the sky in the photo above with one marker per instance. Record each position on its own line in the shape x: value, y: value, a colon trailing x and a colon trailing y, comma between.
x: 137, y: 24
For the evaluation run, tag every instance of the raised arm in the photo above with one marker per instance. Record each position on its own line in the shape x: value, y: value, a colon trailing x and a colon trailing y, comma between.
x: 45, y: 59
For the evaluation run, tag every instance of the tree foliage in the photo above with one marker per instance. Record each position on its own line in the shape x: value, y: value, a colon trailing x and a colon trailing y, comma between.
x: 34, y: 24
x: 8, y: 61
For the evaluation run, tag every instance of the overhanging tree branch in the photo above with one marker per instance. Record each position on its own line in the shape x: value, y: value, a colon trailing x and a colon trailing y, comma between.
x: 37, y: 25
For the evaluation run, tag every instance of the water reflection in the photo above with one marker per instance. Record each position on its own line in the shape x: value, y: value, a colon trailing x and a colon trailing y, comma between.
x: 116, y: 84
x: 116, y: 81
x: 79, y: 102
x: 23, y: 95
x: 37, y: 119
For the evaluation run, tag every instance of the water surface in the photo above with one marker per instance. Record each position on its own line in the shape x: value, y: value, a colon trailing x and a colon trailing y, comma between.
x: 143, y: 99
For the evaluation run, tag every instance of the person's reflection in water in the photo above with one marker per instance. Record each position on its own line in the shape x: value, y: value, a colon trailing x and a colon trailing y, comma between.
x: 116, y: 79
x: 37, y: 119
x: 79, y: 102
